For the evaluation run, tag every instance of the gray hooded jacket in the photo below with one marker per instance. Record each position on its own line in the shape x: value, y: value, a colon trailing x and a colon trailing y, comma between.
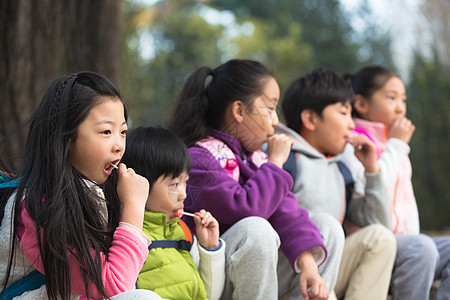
x: 320, y: 187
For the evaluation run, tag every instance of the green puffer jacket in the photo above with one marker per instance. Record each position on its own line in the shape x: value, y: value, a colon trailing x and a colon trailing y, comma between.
x: 169, y: 272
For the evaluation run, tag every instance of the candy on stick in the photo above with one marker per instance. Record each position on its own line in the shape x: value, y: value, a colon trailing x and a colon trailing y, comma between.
x: 181, y: 212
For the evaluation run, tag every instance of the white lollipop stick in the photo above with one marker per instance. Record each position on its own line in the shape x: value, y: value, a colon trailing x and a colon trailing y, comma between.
x: 188, y: 214
x: 114, y: 166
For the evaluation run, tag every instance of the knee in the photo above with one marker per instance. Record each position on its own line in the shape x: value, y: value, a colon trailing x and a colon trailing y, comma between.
x: 259, y: 233
x: 382, y: 238
x: 330, y: 229
x: 422, y: 249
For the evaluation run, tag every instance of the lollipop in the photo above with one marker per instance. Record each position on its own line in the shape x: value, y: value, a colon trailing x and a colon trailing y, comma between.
x: 181, y: 212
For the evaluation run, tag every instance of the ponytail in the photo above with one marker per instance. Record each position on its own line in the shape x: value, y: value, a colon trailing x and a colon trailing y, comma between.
x: 199, y: 109
x: 188, y: 118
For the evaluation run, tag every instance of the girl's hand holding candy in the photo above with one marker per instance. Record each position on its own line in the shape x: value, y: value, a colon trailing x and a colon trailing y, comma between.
x: 402, y: 129
x: 278, y: 149
x: 132, y: 190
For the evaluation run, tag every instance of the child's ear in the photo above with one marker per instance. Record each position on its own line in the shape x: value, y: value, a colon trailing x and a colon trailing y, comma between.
x: 361, y: 104
x: 237, y: 110
x: 309, y: 119
x: 71, y: 142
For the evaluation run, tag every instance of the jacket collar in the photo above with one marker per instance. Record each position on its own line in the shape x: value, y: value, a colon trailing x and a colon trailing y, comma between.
x: 376, y: 131
x: 301, y: 145
x: 232, y: 142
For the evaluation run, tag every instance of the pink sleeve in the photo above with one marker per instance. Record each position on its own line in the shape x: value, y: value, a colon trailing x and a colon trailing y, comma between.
x: 119, y: 269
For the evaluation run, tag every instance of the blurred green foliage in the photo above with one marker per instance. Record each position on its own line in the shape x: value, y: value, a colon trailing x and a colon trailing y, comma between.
x: 291, y: 38
x: 429, y: 107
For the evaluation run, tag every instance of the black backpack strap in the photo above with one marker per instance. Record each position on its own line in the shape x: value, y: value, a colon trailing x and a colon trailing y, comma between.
x: 181, y: 245
x: 349, y: 181
x: 290, y: 166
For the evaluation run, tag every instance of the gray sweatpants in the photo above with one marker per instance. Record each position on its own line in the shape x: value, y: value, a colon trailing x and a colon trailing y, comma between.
x: 334, y: 239
x: 421, y: 259
x: 251, y: 260
x: 256, y: 269
x: 138, y: 294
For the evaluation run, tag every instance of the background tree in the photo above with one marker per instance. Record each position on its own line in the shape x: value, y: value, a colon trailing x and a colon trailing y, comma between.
x: 429, y: 108
x: 181, y: 40
x: 41, y: 40
x: 290, y: 37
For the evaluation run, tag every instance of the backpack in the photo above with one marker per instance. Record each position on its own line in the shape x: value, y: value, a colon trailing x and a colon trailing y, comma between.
x: 291, y: 167
x: 225, y: 156
x: 33, y: 280
x: 7, y: 187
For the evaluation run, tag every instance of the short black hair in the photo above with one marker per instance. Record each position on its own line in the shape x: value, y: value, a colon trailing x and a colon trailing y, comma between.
x: 154, y: 151
x: 315, y: 91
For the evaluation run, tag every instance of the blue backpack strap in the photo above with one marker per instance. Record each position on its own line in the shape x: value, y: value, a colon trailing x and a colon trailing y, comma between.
x: 3, y: 178
x: 290, y: 166
x: 180, y: 245
x: 349, y: 181
x: 32, y: 281
x: 6, y: 182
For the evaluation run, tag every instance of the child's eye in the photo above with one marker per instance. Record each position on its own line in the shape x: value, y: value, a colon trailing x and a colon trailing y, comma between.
x: 345, y: 111
x: 106, y: 131
x: 175, y: 185
x: 124, y: 132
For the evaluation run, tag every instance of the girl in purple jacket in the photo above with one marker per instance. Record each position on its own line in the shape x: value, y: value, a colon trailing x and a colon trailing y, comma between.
x: 225, y: 115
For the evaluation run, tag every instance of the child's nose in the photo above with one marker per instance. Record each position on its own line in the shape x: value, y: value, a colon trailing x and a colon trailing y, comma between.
x: 275, y: 119
x: 351, y: 123
x: 119, y: 145
x: 182, y: 195
x: 400, y: 107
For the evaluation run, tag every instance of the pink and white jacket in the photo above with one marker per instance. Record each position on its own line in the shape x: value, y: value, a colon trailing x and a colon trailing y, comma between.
x: 120, y: 266
x: 394, y: 161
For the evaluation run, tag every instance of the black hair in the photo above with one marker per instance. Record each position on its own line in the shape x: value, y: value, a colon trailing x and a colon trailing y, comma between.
x: 154, y: 151
x: 202, y: 106
x: 368, y: 80
x: 57, y: 195
x: 315, y: 91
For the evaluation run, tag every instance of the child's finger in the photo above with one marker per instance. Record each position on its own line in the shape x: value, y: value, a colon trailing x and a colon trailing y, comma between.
x: 121, y: 168
x: 313, y: 290
x: 304, y: 289
x: 206, y: 218
x: 130, y: 171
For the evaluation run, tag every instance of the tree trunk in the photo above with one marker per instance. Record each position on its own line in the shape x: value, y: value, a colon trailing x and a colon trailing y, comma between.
x: 41, y: 40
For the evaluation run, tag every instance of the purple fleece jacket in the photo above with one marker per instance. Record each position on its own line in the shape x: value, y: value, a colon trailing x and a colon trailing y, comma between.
x: 263, y: 192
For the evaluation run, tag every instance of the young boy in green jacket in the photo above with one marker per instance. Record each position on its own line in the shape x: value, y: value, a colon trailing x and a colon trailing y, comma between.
x: 175, y: 254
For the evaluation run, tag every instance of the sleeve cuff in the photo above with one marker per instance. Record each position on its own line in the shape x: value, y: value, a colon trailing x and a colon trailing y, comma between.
x: 136, y: 231
x: 218, y: 247
x: 400, y: 145
x: 373, y: 180
x: 319, y: 256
